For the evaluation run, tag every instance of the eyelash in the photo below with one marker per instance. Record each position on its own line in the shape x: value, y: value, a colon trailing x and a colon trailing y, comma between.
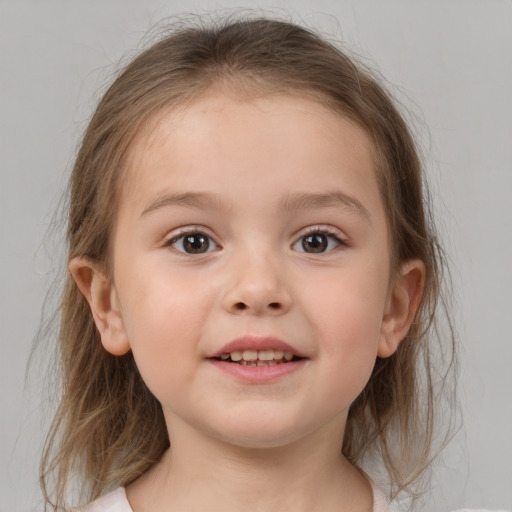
x: 193, y: 231
x: 329, y: 233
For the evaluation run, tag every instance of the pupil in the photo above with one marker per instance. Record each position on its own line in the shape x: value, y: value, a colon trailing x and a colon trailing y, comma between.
x: 314, y: 243
x: 196, y: 243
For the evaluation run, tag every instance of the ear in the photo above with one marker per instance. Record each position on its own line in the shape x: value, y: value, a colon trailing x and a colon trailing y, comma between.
x: 101, y: 295
x: 403, y: 301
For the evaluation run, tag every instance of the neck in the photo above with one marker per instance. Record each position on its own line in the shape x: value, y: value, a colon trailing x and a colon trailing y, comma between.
x: 198, y: 471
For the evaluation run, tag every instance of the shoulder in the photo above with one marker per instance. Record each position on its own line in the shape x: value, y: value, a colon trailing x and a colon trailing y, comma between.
x: 114, y: 501
x: 395, y: 507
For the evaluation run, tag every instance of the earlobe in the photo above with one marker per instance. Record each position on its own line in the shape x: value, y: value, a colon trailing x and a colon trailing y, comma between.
x: 402, y: 305
x: 101, y: 295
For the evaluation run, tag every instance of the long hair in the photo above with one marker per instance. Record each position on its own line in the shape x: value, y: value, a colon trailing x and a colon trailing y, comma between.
x: 109, y: 428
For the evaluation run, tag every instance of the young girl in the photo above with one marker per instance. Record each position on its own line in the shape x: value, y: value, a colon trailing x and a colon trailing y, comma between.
x: 253, y: 283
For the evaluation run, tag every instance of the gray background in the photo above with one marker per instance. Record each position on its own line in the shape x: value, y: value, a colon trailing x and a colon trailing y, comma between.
x: 450, y: 63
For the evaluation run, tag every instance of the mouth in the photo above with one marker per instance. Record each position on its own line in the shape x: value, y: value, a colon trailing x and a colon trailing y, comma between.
x: 268, y: 357
x: 257, y: 351
x: 258, y: 359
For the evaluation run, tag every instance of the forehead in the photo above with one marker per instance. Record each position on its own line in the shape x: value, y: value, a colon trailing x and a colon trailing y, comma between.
x: 220, y: 140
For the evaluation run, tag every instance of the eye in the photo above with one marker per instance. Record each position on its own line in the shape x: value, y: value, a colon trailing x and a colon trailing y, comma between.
x: 193, y: 243
x: 317, y: 242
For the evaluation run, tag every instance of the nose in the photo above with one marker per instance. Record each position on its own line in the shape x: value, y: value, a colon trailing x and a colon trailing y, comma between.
x: 257, y: 286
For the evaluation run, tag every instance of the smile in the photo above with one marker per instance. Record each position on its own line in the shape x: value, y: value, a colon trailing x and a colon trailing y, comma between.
x: 258, y: 357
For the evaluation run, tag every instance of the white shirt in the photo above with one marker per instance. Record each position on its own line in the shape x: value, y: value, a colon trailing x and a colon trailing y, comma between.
x: 116, y: 501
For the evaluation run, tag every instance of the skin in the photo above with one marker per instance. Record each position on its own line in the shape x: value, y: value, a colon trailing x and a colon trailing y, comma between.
x: 242, y: 443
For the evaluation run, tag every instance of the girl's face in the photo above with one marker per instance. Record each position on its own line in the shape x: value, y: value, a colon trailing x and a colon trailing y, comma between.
x: 253, y: 225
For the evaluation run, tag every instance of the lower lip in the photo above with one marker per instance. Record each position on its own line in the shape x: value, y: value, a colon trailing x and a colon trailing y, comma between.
x: 259, y: 374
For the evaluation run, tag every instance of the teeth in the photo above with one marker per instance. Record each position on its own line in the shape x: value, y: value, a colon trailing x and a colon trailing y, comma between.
x: 265, y: 363
x: 257, y: 357
x: 250, y: 355
x: 236, y: 356
x: 265, y: 355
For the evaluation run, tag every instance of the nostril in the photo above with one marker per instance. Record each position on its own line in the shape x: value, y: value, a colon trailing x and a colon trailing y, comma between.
x: 243, y: 306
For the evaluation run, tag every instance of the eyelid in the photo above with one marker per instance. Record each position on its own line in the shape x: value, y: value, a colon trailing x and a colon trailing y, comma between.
x: 178, y: 233
x: 329, y: 231
x: 323, y: 229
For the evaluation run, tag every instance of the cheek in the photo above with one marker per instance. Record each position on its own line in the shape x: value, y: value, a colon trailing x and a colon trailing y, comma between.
x: 349, y: 308
x: 351, y: 342
x: 157, y: 303
x: 347, y: 318
x: 163, y: 328
x: 349, y: 356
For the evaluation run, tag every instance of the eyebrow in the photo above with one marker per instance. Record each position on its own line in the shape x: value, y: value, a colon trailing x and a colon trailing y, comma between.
x: 307, y: 201
x: 293, y: 202
x: 186, y: 199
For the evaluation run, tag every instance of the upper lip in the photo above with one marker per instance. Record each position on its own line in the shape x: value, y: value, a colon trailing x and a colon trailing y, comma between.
x: 255, y: 343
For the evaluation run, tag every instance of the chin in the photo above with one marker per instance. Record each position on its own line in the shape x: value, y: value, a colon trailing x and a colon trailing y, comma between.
x: 260, y: 443
x: 255, y: 434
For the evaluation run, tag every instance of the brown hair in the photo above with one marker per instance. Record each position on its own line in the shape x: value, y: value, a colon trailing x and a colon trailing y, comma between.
x: 109, y: 428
